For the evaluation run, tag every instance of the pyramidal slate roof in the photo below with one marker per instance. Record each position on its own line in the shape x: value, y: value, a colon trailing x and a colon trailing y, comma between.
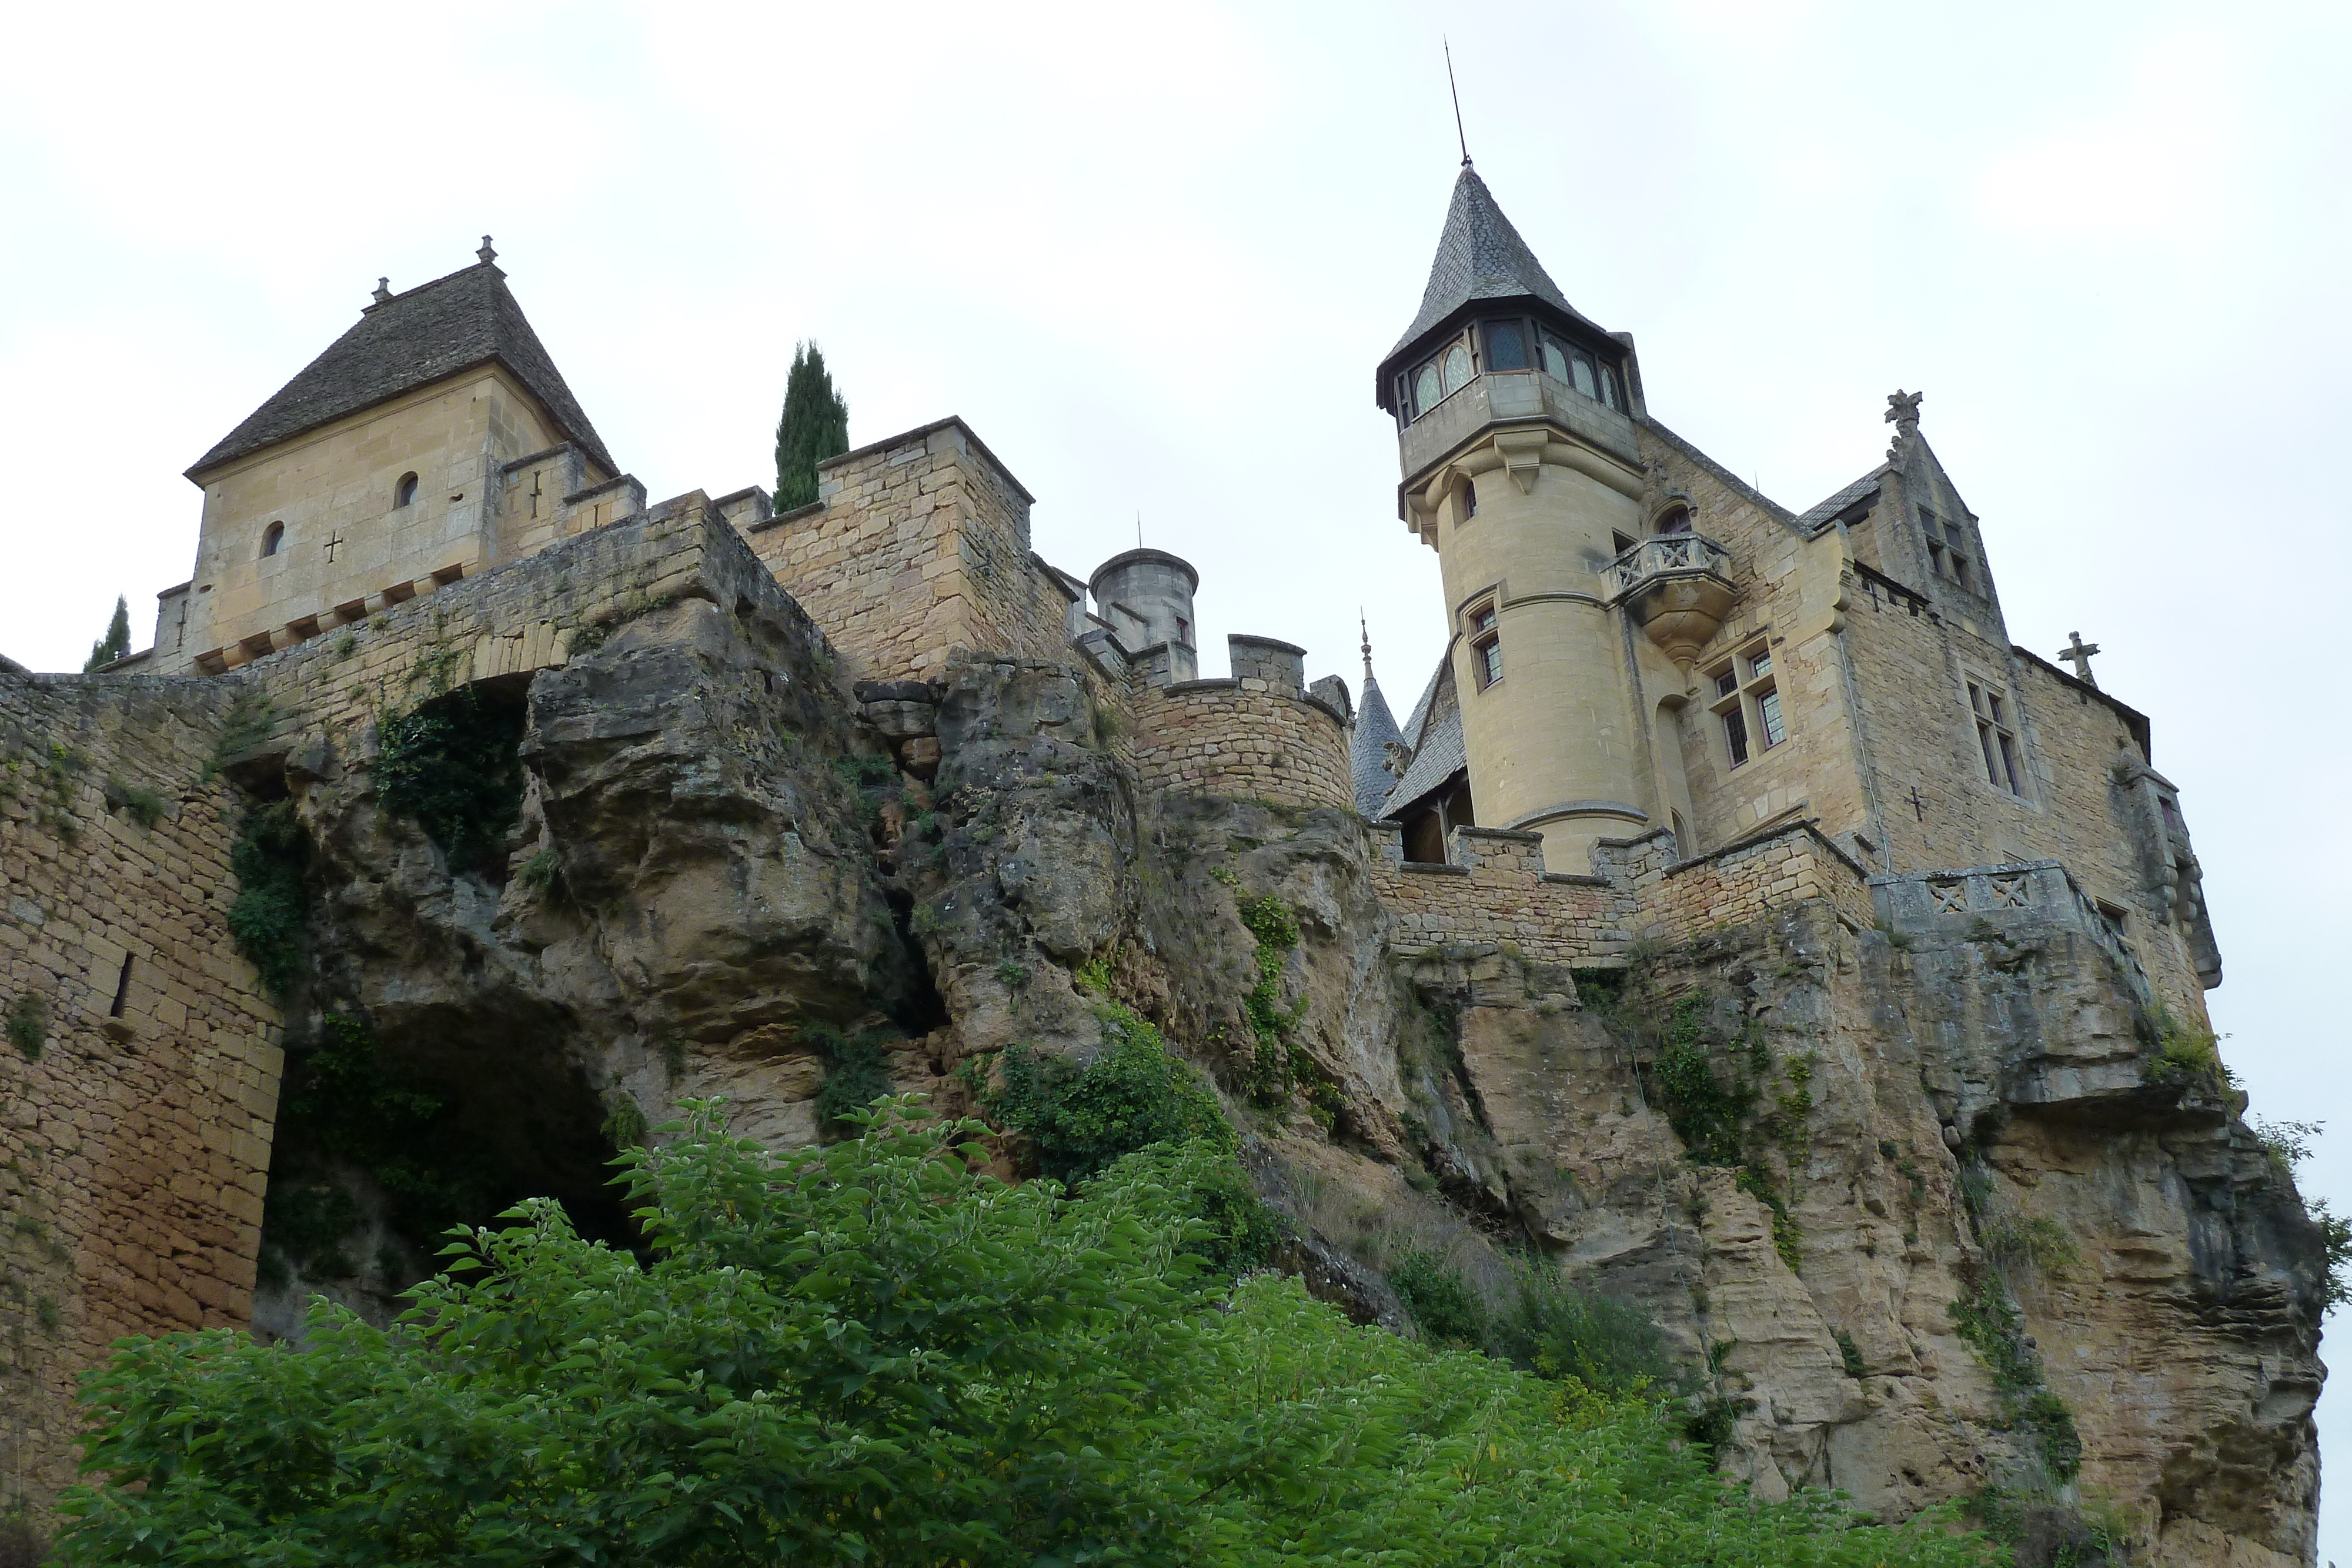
x: 407, y: 341
x: 1367, y: 752
x: 1438, y: 749
x: 1480, y: 256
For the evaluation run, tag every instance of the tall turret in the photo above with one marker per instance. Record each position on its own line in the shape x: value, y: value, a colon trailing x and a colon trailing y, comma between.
x: 1514, y: 420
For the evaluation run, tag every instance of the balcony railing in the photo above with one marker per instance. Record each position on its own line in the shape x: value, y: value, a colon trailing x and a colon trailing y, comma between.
x: 1667, y: 555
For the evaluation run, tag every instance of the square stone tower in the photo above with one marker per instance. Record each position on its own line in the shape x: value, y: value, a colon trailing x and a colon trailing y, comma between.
x: 432, y: 439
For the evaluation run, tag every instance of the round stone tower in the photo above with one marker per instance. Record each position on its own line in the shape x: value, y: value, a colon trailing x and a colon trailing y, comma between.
x: 1145, y: 596
x: 1515, y: 425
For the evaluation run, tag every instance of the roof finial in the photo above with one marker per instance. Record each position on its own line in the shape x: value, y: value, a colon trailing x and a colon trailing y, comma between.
x: 1456, y: 91
x: 486, y: 252
x: 1365, y: 627
x: 383, y: 289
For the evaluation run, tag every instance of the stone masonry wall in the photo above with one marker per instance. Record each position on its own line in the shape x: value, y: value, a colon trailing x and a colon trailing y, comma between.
x: 1218, y: 737
x: 1496, y: 890
x: 919, y: 546
x: 1744, y: 882
x: 1912, y: 671
x: 135, y: 1135
x: 525, y: 616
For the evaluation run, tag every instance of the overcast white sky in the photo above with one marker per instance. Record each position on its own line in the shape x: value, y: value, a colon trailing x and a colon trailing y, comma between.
x: 1153, y: 257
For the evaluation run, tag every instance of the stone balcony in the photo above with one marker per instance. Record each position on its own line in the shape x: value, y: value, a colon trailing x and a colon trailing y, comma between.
x: 1677, y: 587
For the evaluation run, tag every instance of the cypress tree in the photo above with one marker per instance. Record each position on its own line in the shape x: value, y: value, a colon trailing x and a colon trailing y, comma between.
x: 117, y: 640
x: 816, y: 426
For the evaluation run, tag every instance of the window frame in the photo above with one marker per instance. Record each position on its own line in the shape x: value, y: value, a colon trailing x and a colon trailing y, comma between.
x: 273, y: 540
x: 1610, y: 382
x: 1483, y: 630
x: 1992, y: 710
x: 1750, y: 717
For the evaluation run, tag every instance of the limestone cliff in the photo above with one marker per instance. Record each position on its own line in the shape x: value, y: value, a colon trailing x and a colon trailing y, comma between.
x: 1915, y: 1198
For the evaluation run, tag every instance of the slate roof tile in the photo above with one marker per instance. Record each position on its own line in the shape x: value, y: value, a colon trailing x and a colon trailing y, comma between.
x: 410, y: 341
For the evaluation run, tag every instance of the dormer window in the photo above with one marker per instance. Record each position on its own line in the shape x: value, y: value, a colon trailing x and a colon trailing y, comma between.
x: 1945, y: 554
x: 405, y: 493
x: 271, y: 538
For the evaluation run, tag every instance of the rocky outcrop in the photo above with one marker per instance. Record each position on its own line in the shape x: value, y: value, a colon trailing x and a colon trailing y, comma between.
x: 1920, y: 1201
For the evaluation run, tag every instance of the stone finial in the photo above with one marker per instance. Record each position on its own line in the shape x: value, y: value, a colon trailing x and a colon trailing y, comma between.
x: 383, y: 289
x: 1902, y: 413
x: 1366, y: 628
x: 486, y: 252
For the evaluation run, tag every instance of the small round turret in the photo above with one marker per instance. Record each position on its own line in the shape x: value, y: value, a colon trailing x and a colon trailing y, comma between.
x: 1145, y: 596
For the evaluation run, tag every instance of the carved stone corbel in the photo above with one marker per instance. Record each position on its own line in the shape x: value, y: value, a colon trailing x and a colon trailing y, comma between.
x: 1522, y: 454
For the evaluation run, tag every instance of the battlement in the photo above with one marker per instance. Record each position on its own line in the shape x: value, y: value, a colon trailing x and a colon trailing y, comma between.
x: 1259, y: 736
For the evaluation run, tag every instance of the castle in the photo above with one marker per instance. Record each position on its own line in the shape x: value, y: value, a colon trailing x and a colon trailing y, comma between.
x: 1668, y: 707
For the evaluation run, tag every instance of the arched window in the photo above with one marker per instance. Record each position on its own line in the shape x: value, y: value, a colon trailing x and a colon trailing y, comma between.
x: 1457, y: 368
x: 405, y: 491
x: 1675, y: 520
x: 271, y: 538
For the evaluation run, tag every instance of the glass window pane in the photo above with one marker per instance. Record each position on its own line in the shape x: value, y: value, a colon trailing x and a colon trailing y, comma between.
x: 1760, y: 665
x: 1424, y: 387
x: 1555, y: 359
x: 1507, y: 345
x: 1976, y: 697
x: 1768, y: 708
x: 1609, y: 388
x: 2009, y: 764
x: 1457, y: 367
x: 1583, y: 375
x: 1992, y: 763
x: 1735, y: 734
x: 1727, y: 683
x: 1491, y: 653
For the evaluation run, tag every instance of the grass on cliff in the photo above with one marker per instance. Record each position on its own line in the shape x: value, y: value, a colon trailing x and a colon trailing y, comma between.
x: 873, y: 1352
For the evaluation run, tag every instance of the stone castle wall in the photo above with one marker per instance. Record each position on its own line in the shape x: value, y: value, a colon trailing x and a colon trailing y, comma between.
x: 918, y: 546
x: 1912, y: 667
x: 135, y: 1146
x: 1247, y: 738
x: 1497, y: 890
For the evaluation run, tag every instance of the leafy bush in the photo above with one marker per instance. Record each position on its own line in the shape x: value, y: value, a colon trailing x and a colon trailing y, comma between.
x: 1995, y: 1329
x: 2185, y: 1054
x: 869, y: 1353
x: 1850, y: 1356
x: 854, y: 1076
x: 2336, y: 1248
x: 1705, y: 1112
x: 450, y: 766
x: 272, y: 907
x: 1560, y: 1330
x: 1440, y: 1301
x: 1277, y: 1064
x: 1133, y: 1094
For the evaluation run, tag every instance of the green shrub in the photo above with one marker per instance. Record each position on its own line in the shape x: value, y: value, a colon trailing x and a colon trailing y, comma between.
x: 146, y: 806
x: 271, y: 912
x: 1437, y: 1298
x: 28, y: 1024
x: 2185, y: 1054
x: 870, y: 1352
x: 1134, y: 1094
x: 1850, y: 1356
x: 1557, y: 1330
x: 854, y: 1074
x: 1995, y: 1330
x: 1277, y: 1064
x: 1705, y: 1111
x: 1239, y: 1230
x: 450, y: 766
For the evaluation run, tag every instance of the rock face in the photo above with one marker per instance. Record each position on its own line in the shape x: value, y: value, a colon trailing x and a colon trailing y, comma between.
x: 1918, y: 1200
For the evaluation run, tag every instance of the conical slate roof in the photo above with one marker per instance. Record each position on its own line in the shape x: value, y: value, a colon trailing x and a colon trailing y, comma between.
x: 1367, y: 752
x: 407, y: 341
x: 1479, y: 256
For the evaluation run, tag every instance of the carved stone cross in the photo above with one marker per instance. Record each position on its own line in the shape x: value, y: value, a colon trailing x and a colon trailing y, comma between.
x: 332, y: 540
x: 2078, y: 653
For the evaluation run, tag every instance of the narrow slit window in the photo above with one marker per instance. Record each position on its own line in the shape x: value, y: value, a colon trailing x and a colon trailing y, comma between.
x: 405, y: 493
x: 121, y: 988
x: 272, y: 537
